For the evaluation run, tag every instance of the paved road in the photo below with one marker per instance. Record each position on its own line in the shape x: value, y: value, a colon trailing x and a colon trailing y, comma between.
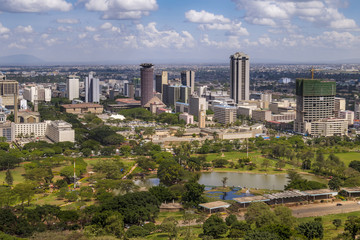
x: 315, y: 210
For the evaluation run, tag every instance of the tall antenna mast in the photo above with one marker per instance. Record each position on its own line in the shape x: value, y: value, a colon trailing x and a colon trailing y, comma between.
x: 74, y: 176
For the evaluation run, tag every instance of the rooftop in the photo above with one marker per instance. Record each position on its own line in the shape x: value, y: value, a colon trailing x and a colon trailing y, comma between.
x: 285, y: 194
x: 251, y: 199
x: 82, y: 105
x: 214, y: 205
x: 127, y: 101
x: 319, y: 192
x: 351, y: 189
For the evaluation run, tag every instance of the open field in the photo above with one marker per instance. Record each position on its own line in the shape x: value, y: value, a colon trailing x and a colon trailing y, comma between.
x: 347, y: 157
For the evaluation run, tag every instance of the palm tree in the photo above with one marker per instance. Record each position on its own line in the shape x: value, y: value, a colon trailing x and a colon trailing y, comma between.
x: 224, y: 181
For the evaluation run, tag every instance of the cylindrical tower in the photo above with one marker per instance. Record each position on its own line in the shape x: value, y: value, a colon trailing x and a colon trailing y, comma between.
x: 147, y: 82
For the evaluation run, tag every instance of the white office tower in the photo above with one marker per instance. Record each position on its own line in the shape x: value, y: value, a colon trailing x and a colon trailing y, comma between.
x: 239, y: 77
x: 23, y: 104
x: 72, y: 87
x: 37, y: 93
x: 188, y: 79
x: 92, y: 89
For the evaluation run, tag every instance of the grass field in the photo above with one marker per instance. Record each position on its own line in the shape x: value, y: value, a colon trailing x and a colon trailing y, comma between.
x: 329, y: 229
x: 347, y: 157
x: 16, y: 173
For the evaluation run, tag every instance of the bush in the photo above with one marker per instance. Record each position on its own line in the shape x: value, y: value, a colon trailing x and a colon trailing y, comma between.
x: 220, y: 163
x: 136, y: 231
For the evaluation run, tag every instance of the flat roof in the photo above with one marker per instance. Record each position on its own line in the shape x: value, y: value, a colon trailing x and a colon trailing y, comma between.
x: 319, y: 192
x: 214, y: 205
x: 285, y: 194
x: 351, y: 189
x: 127, y: 101
x: 251, y: 199
x: 82, y: 105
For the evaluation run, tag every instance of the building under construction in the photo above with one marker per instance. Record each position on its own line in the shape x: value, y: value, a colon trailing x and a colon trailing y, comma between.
x: 315, y: 108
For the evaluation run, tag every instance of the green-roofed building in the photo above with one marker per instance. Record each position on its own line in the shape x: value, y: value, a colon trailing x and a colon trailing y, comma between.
x: 315, y: 108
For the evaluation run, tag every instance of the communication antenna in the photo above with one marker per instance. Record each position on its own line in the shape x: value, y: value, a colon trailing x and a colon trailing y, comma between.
x: 74, y: 176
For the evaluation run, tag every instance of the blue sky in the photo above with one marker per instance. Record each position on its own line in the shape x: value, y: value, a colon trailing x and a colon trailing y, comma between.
x: 180, y: 31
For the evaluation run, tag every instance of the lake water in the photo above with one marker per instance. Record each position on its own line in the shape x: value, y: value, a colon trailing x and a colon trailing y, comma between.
x: 247, y: 180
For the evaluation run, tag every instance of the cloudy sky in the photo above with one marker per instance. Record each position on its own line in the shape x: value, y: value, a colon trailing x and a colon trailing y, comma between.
x: 180, y: 31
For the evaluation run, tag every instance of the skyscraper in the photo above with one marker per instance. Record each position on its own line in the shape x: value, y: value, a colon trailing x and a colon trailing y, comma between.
x: 92, y: 89
x: 72, y: 87
x: 315, y: 108
x: 188, y: 79
x: 160, y: 80
x: 239, y: 77
x: 147, y: 82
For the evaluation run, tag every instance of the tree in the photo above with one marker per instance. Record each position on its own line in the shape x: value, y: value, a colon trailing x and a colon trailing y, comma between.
x: 25, y: 191
x: 311, y: 230
x: 231, y: 219
x: 238, y: 229
x: 136, y: 232
x: 193, y: 195
x: 260, y: 214
x: 352, y: 225
x: 214, y: 226
x: 355, y: 164
x: 284, y: 215
x: 265, y: 164
x: 111, y: 169
x: 280, y: 164
x: 261, y: 235
x: 72, y: 196
x: 335, y: 183
x: 162, y: 193
x: 169, y: 225
x: 220, y: 163
x: 224, y: 181
x: 170, y: 172
x: 9, y: 178
x: 337, y: 223
x: 85, y: 193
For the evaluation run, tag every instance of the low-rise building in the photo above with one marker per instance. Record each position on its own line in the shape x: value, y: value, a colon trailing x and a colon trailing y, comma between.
x: 60, y: 131
x: 83, y: 108
x: 7, y: 130
x: 327, y: 127
x: 189, y: 119
x: 225, y: 114
x: 261, y: 115
x: 30, y: 129
x: 348, y: 115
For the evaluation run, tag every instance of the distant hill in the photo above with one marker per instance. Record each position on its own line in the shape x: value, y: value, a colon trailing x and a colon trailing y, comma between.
x: 21, y: 60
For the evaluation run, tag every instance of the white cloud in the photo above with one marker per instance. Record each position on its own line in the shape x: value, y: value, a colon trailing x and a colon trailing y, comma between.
x: 64, y: 29
x: 109, y: 26
x: 280, y: 12
x: 15, y: 45
x: 122, y: 9
x: 150, y: 36
x: 34, y: 5
x: 82, y: 35
x: 51, y: 41
x: 205, y: 17
x: 24, y: 29
x: 3, y: 29
x: 90, y: 29
x: 44, y: 35
x: 68, y: 20
x: 233, y: 28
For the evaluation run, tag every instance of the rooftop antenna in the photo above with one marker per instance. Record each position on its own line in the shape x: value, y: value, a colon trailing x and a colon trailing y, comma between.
x: 74, y: 175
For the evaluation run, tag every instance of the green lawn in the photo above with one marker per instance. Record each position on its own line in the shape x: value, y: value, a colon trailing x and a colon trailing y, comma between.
x: 329, y: 229
x: 16, y: 173
x: 347, y: 157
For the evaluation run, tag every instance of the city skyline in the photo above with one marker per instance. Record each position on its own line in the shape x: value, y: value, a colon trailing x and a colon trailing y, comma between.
x: 159, y: 31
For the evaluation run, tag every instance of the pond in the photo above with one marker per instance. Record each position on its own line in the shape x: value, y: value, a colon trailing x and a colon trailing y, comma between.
x: 247, y: 180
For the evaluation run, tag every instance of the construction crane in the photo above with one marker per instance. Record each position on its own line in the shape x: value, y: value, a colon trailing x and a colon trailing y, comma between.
x: 312, y: 70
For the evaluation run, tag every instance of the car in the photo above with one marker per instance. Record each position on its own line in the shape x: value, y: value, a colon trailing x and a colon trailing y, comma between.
x: 358, y: 202
x: 339, y: 204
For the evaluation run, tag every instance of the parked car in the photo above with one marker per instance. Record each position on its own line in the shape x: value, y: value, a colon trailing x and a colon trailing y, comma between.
x: 339, y: 204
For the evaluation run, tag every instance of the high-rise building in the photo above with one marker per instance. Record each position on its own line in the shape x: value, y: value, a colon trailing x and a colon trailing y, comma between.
x: 7, y: 90
x: 188, y: 79
x: 72, y: 87
x: 239, y: 77
x: 131, y: 90
x: 315, y: 108
x: 147, y: 82
x: 202, y: 117
x: 184, y: 94
x: 160, y: 80
x: 37, y: 94
x: 196, y: 104
x: 92, y: 89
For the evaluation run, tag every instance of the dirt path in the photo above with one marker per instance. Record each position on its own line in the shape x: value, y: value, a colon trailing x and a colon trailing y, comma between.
x: 131, y: 170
